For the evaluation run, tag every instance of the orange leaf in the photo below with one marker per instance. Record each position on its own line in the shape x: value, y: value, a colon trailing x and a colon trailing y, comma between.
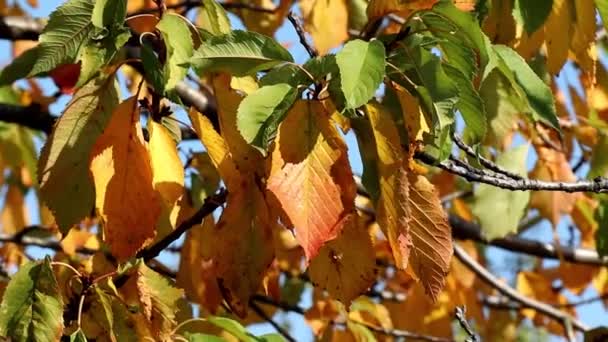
x: 14, y: 214
x: 345, y: 266
x: 125, y: 198
x: 310, y: 176
x: 379, y: 8
x: 431, y: 235
x: 552, y: 166
x: 196, y: 274
x: 142, y: 23
x: 242, y: 245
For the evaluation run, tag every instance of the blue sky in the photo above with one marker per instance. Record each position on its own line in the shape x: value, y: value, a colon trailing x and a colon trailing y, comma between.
x: 501, y: 261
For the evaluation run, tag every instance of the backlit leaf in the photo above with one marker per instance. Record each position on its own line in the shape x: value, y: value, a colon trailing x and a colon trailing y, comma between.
x: 431, y: 236
x: 213, y: 18
x: 492, y: 202
x: 260, y: 113
x: 61, y: 43
x: 240, y: 53
x: 310, y: 176
x: 125, y: 198
x: 167, y: 169
x: 63, y: 172
x: 345, y: 265
x: 531, y: 15
x: 392, y: 208
x: 32, y: 308
x: 178, y: 41
x: 327, y: 31
x: 361, y: 70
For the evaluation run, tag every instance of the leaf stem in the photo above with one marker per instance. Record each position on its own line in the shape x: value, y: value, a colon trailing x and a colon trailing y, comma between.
x: 59, y: 263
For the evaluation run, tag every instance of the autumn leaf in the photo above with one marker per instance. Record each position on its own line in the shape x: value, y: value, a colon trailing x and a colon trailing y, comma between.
x: 126, y: 200
x: 196, y: 274
x: 327, y: 31
x: 431, y: 235
x: 310, y: 176
x: 264, y: 22
x: 242, y: 245
x: 552, y: 165
x: 63, y: 169
x: 14, y: 217
x: 65, y: 77
x: 379, y: 8
x: 345, y: 266
x: 393, y: 210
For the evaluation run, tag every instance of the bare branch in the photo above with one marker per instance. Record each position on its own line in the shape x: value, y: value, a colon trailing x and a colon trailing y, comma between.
x: 598, y: 185
x: 460, y: 314
x: 260, y: 312
x: 513, y: 294
x: 312, y: 52
x: 20, y: 28
x: 211, y: 203
x: 31, y: 116
x: 484, y: 161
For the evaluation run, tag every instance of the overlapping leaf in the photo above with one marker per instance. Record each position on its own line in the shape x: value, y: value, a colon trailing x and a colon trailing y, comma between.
x: 310, y: 176
x: 122, y: 173
x: 63, y: 173
x: 240, y: 53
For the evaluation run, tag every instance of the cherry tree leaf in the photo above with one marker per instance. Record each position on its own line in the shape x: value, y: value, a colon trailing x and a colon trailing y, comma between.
x: 260, y: 113
x: 32, y: 306
x: 310, y: 177
x: 213, y: 18
x: 327, y: 31
x: 63, y: 172
x: 167, y: 169
x: 240, y: 53
x: 125, y: 197
x: 431, y: 236
x: 345, y: 266
x: 178, y: 41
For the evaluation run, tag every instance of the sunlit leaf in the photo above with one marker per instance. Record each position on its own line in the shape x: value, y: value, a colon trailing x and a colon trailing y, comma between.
x: 327, y: 31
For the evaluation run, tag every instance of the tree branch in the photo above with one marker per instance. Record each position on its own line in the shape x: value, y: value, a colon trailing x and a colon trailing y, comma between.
x: 312, y: 52
x: 514, y: 295
x: 211, y: 203
x: 483, y: 161
x: 260, y: 312
x: 598, y: 185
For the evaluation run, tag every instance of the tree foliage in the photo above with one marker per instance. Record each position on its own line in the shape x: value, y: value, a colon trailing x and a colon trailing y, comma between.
x: 472, y: 123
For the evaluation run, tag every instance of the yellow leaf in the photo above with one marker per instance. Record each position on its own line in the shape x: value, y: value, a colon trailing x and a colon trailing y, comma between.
x: 242, y: 245
x: 431, y: 235
x: 78, y: 239
x: 552, y: 166
x: 322, y: 313
x: 583, y: 34
x: 264, y: 22
x: 584, y: 219
x: 537, y: 286
x: 245, y: 84
x: 167, y: 169
x: 499, y: 25
x: 558, y: 32
x: 247, y: 158
x: 417, y: 123
x: 392, y: 207
x: 576, y: 277
x: 217, y: 149
x: 125, y: 198
x: 14, y: 214
x: 196, y: 274
x: 379, y: 8
x: 310, y: 175
x: 327, y: 31
x: 345, y: 266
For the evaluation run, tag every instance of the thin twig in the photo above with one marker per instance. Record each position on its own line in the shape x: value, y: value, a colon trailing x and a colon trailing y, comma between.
x: 211, y: 203
x: 598, y: 185
x: 260, y: 312
x: 460, y: 314
x: 482, y: 160
x: 312, y: 52
x: 513, y: 294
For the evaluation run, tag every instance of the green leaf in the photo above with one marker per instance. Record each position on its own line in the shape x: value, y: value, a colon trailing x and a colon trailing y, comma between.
x: 231, y: 326
x: 361, y: 70
x: 601, y: 235
x: 357, y: 15
x: 78, y: 336
x: 271, y: 338
x: 108, y: 13
x: 599, y: 158
x: 470, y: 105
x: 537, y: 92
x: 240, y: 53
x: 369, y: 156
x: 97, y: 54
x: 61, y: 40
x: 492, y: 202
x: 213, y: 18
x: 468, y: 28
x: 602, y: 8
x: 178, y: 41
x: 17, y: 147
x: 101, y: 310
x: 20, y: 67
x: 153, y: 70
x: 63, y: 168
x: 32, y: 308
x: 531, y: 14
x: 260, y: 113
x: 200, y: 337
x: 286, y: 73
